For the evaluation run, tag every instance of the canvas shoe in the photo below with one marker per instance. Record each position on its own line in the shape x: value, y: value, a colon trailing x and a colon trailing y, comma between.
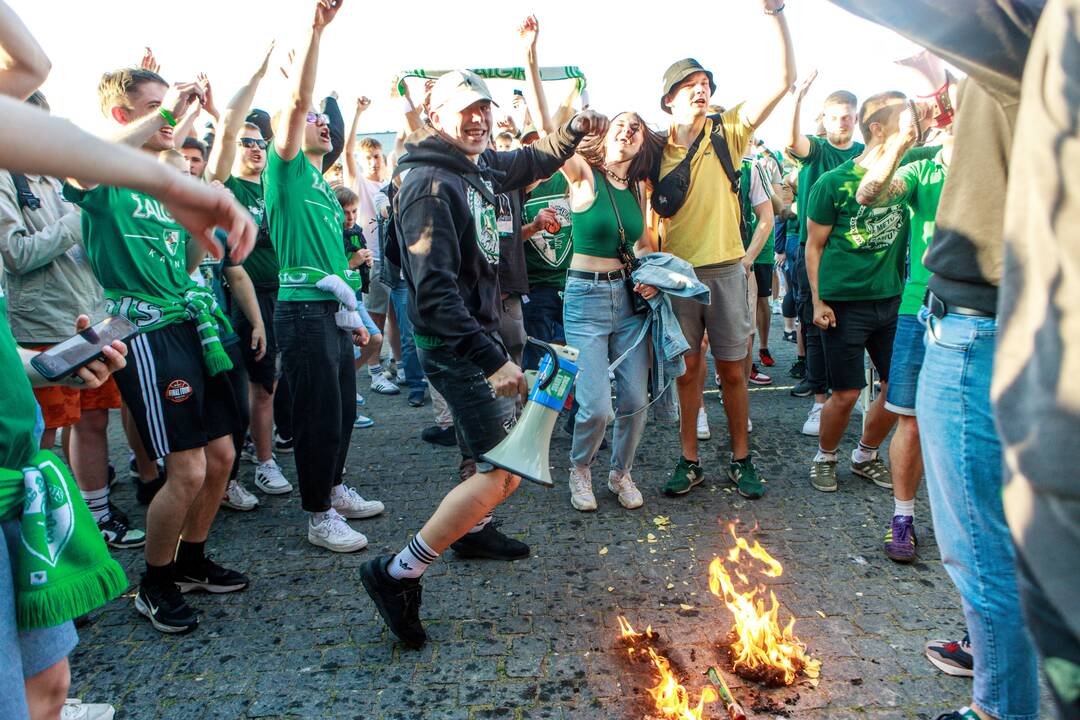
x: 581, y: 492
x: 270, y: 479
x: 350, y: 505
x: 333, y: 533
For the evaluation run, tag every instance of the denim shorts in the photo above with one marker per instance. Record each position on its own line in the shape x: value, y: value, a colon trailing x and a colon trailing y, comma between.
x: 909, y: 348
x: 369, y: 325
x: 23, y: 654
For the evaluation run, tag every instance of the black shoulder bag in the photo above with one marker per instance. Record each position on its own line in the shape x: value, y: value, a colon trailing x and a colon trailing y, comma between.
x: 626, y: 255
x: 669, y: 192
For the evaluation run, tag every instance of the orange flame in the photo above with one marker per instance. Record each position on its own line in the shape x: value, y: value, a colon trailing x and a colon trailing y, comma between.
x: 672, y: 699
x: 759, y: 640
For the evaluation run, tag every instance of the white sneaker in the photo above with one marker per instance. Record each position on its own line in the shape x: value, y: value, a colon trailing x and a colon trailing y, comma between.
x: 360, y: 400
x: 333, y: 533
x: 400, y: 376
x: 270, y: 479
x: 75, y: 709
x: 623, y: 485
x: 349, y: 504
x: 703, y: 432
x: 581, y: 494
x: 812, y: 426
x: 749, y: 425
x: 383, y: 386
x: 238, y: 497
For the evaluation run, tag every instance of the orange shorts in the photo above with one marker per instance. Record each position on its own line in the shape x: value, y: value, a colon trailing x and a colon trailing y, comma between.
x: 62, y: 406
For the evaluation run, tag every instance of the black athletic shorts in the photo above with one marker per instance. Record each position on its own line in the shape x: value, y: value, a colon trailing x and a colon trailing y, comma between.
x: 868, y: 325
x: 174, y: 401
x: 263, y: 372
x: 763, y: 275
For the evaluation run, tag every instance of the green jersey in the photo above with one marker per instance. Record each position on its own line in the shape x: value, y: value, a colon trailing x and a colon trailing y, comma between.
x: 924, y: 179
x: 864, y: 254
x: 754, y: 189
x: 261, y: 264
x: 19, y: 416
x: 823, y: 157
x: 134, y: 245
x: 548, y: 255
x: 305, y: 226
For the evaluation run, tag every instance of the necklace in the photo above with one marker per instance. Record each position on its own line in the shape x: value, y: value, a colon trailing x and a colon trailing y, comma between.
x: 613, y: 176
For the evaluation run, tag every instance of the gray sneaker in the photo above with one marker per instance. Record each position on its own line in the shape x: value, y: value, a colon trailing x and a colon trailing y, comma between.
x: 874, y: 470
x: 823, y: 476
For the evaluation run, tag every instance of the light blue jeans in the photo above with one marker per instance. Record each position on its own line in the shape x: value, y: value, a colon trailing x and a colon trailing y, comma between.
x: 964, y: 468
x: 599, y: 321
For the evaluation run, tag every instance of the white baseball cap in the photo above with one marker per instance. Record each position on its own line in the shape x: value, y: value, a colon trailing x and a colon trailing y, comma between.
x: 457, y: 90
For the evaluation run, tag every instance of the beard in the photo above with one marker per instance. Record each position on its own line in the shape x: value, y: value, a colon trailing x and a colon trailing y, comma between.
x: 840, y: 137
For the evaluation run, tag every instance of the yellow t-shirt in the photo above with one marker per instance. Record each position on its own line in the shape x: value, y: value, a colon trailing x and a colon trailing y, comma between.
x: 705, y: 231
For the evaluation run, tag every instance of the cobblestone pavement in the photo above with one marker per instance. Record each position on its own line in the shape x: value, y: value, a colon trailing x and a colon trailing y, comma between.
x: 535, y: 638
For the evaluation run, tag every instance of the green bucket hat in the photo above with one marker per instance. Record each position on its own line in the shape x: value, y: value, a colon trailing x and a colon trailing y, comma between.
x: 678, y: 72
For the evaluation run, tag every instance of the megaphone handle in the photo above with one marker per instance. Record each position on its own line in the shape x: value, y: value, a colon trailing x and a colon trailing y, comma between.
x: 545, y: 381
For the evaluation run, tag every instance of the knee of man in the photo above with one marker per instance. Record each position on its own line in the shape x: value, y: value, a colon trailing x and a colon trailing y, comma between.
x: 846, y: 398
x: 93, y: 421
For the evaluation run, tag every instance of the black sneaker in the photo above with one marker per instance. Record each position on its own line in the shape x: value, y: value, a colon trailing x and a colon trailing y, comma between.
x: 398, y: 601
x: 798, y: 369
x: 145, y: 491
x: 803, y: 389
x: 416, y: 398
x: 491, y: 544
x: 117, y: 532
x: 209, y: 576
x: 439, y: 436
x: 166, y: 608
x: 283, y: 445
x: 789, y: 336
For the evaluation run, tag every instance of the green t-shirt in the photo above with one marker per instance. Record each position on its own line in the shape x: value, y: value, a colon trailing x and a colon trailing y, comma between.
x: 19, y: 430
x: 305, y: 223
x: 864, y: 255
x: 548, y: 256
x: 924, y: 179
x: 822, y: 158
x: 261, y: 264
x: 133, y: 243
x: 754, y: 179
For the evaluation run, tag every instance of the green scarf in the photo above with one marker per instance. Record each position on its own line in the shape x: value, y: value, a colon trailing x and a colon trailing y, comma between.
x: 62, y: 567
x: 152, y: 313
x: 564, y: 72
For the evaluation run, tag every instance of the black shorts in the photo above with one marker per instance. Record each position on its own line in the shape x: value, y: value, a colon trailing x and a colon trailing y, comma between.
x: 763, y: 275
x: 868, y: 325
x: 263, y: 372
x: 176, y: 404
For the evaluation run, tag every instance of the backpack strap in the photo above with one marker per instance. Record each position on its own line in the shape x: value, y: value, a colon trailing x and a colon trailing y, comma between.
x: 723, y: 153
x: 23, y: 194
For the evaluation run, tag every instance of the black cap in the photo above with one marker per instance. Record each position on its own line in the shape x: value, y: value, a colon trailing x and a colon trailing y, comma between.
x: 678, y: 72
x: 262, y: 119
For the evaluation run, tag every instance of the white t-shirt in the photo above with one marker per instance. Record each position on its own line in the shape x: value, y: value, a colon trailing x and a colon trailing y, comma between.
x: 373, y: 205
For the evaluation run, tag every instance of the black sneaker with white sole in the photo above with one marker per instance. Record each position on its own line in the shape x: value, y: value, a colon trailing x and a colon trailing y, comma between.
x: 117, y: 532
x: 491, y: 544
x: 209, y: 577
x: 145, y: 491
x: 166, y: 608
x: 283, y: 445
x: 398, y: 601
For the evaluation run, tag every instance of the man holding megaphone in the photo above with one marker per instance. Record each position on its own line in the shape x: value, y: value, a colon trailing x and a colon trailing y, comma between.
x: 448, y: 239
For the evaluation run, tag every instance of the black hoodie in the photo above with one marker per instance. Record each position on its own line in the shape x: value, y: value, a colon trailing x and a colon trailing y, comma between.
x: 451, y: 268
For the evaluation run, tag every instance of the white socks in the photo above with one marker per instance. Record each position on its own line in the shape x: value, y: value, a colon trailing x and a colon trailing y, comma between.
x: 904, y: 507
x: 98, y: 502
x: 480, y: 525
x: 413, y: 560
x: 825, y: 456
x: 863, y: 453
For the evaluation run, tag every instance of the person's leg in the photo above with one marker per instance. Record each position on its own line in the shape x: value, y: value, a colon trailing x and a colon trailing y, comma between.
x: 342, y: 366
x: 392, y: 334
x: 370, y: 351
x: 588, y: 311
x: 47, y: 690
x: 691, y: 387
x: 631, y: 399
x: 764, y: 322
x: 905, y: 459
x: 962, y: 452
x: 835, y: 417
x: 90, y: 450
x: 219, y: 454
x: 262, y: 421
x: 168, y: 512
x: 736, y: 404
x: 283, y: 422
x: 414, y: 373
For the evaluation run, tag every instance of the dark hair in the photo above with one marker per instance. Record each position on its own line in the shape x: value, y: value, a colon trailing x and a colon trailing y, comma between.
x: 115, y: 88
x: 876, y: 107
x: 841, y: 97
x: 592, y: 148
x: 190, y: 142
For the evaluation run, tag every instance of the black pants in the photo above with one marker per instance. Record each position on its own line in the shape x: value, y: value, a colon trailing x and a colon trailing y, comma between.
x: 283, y: 408
x: 238, y: 383
x: 815, y: 351
x: 317, y: 359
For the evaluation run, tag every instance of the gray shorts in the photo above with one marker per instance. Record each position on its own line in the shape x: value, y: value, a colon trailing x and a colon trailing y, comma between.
x: 377, y: 298
x: 23, y: 654
x: 727, y: 319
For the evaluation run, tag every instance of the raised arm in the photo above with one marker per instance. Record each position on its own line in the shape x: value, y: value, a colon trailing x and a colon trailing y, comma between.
x: 228, y: 128
x: 351, y: 172
x: 23, y: 64
x: 289, y: 138
x: 757, y: 110
x: 535, y: 99
x: 798, y: 145
x: 879, y: 186
x: 335, y: 125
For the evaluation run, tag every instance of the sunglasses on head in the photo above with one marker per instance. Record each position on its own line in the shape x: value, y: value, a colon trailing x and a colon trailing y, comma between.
x: 253, y: 143
x: 318, y: 118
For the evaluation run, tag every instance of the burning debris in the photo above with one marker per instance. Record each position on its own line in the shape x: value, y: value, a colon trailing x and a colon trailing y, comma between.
x: 758, y: 648
x: 671, y: 699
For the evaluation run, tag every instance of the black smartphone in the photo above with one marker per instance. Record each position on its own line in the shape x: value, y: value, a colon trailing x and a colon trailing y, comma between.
x: 66, y: 357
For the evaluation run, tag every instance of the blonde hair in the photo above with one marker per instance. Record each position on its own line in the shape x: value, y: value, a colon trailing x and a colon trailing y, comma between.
x: 115, y: 88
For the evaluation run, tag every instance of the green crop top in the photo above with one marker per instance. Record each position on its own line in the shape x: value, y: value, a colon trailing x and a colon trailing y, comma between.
x: 596, y: 230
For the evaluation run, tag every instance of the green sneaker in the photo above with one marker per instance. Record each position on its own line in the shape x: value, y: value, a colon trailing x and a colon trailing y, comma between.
x: 823, y: 476
x: 687, y: 474
x: 874, y: 470
x: 746, y: 477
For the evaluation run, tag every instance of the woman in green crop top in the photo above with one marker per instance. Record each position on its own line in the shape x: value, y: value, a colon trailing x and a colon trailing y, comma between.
x: 607, y: 199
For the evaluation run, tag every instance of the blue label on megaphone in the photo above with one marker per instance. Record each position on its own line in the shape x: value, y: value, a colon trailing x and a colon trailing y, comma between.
x: 555, y: 395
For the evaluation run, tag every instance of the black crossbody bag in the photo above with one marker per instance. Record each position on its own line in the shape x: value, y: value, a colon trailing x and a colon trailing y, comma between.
x: 669, y: 192
x: 626, y: 255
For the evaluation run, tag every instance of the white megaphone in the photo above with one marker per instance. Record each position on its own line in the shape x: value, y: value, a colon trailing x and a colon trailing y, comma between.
x: 524, y: 451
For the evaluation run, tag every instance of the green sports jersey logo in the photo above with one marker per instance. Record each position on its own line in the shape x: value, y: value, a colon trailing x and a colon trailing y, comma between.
x: 873, y: 229
x: 487, y: 226
x: 553, y: 248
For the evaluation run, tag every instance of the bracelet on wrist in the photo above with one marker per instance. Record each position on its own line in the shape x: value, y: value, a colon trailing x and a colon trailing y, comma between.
x: 775, y: 12
x: 167, y: 116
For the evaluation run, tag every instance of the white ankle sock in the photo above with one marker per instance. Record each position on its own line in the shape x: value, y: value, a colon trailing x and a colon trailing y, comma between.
x: 413, y: 559
x: 904, y: 507
x: 823, y: 456
x: 98, y: 502
x: 480, y: 525
x: 864, y: 453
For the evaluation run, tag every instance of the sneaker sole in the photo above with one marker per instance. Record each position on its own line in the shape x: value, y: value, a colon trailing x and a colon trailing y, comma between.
x: 626, y: 505
x: 704, y: 436
x: 361, y: 426
x: 759, y: 383
x: 189, y: 586
x: 240, y: 508
x: 811, y: 434
x: 273, y: 491
x: 319, y: 542
x: 386, y: 392
x: 806, y: 394
x: 905, y: 559
x: 125, y: 545
x: 369, y: 587
x: 583, y: 508
x: 284, y: 451
x: 876, y: 482
x: 361, y: 515
x: 141, y: 608
x: 676, y: 493
x: 735, y: 482
x: 952, y: 670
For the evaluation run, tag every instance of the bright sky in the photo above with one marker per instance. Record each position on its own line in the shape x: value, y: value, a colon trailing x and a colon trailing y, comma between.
x: 622, y: 49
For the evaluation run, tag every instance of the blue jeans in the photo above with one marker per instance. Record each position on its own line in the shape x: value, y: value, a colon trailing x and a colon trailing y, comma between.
x: 599, y: 321
x: 543, y: 316
x: 962, y: 454
x: 414, y: 373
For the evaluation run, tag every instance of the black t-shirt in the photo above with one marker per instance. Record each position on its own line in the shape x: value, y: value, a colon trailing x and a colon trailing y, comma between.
x: 513, y: 273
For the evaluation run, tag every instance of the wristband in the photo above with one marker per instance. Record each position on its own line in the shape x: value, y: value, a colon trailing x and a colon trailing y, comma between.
x: 167, y: 116
x: 777, y: 11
